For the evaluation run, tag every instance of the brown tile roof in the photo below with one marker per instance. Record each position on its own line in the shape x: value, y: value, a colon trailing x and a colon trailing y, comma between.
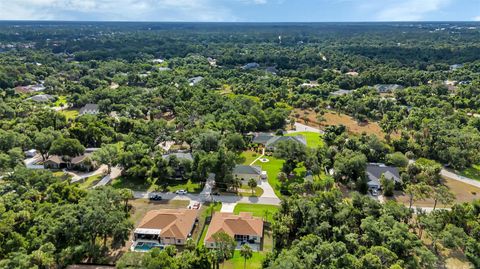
x: 176, y: 223
x: 76, y: 160
x: 243, y: 224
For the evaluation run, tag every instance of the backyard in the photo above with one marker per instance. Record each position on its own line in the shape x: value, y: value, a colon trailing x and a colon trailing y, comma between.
x: 314, y: 140
x: 69, y: 113
x: 258, y: 210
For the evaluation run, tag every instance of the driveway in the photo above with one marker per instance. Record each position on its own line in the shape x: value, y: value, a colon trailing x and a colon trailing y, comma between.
x: 116, y: 172
x: 268, y: 191
x: 76, y: 176
x: 228, y: 207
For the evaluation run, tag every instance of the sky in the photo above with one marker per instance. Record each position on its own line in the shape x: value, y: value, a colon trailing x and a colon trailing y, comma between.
x: 241, y: 10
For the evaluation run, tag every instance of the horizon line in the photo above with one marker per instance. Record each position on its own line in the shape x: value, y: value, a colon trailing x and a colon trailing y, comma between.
x: 243, y: 22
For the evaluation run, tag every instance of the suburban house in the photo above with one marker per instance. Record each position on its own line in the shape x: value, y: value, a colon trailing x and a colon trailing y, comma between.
x: 83, y: 162
x: 250, y: 66
x: 244, y: 228
x: 31, y: 153
x: 180, y: 169
x: 376, y: 170
x: 41, y: 98
x: 91, y: 109
x: 165, y: 227
x: 270, y: 141
x: 246, y: 172
x: 194, y: 80
x: 341, y: 92
x: 384, y: 88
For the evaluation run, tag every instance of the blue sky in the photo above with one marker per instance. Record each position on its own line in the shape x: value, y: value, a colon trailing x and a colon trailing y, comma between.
x: 242, y: 10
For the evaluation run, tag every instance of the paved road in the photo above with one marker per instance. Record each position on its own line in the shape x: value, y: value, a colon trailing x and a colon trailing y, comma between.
x: 210, y: 198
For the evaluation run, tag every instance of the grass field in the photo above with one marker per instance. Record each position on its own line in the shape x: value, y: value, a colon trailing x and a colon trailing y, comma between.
x: 90, y: 181
x: 247, y: 157
x: 237, y: 262
x: 313, y: 139
x: 61, y: 101
x: 69, y: 113
x: 258, y: 210
x: 334, y: 118
x: 144, y: 185
x: 472, y: 172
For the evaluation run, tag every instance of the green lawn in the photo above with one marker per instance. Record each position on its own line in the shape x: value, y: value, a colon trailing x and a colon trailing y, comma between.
x: 69, y: 113
x: 206, y: 210
x: 273, y: 167
x: 90, y: 181
x: 258, y: 210
x: 189, y: 186
x: 246, y: 191
x: 144, y: 185
x: 237, y: 262
x: 61, y: 101
x: 472, y: 172
x: 314, y: 140
x: 247, y: 157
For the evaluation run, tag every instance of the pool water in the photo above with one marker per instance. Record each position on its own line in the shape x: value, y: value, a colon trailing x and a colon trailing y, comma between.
x: 146, y: 246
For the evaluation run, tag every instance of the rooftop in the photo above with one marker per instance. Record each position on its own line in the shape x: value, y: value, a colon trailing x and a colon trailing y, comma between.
x: 243, y: 224
x: 175, y: 223
x: 247, y: 169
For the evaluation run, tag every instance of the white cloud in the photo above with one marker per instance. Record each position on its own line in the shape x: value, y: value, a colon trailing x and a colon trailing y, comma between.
x: 409, y: 10
x: 138, y: 10
x: 477, y: 18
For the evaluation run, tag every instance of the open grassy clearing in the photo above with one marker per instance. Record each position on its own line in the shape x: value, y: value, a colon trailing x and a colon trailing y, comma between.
x: 463, y: 193
x: 247, y: 157
x: 472, y: 172
x: 258, y: 210
x: 309, y: 117
x: 313, y: 139
x: 61, y: 101
x: 69, y: 113
x: 246, y: 191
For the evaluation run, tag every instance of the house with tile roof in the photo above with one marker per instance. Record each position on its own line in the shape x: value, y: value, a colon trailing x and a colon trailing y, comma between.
x: 82, y: 162
x: 244, y: 228
x: 166, y: 226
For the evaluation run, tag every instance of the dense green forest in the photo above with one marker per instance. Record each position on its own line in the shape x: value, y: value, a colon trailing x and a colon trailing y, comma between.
x: 253, y: 78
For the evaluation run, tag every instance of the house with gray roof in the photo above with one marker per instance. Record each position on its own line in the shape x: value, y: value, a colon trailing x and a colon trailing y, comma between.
x: 270, y: 141
x: 384, y: 88
x: 194, y: 80
x: 375, y: 171
x: 42, y: 98
x: 91, y: 109
x: 250, y: 66
x: 341, y: 92
x: 246, y: 172
x: 179, y: 155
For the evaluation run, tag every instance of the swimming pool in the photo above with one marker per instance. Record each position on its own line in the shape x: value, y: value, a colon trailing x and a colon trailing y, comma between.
x: 146, y: 246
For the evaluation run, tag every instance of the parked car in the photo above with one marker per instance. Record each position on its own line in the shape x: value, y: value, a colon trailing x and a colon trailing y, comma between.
x: 375, y: 192
x: 155, y: 197
x: 181, y: 192
x: 196, y: 206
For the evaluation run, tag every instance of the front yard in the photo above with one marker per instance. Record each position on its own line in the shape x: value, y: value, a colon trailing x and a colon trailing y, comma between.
x: 144, y: 185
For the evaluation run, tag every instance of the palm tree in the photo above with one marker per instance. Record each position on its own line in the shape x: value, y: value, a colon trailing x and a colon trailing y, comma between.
x: 247, y: 253
x: 252, y: 183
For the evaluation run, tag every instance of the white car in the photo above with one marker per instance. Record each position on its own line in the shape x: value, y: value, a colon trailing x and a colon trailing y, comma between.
x: 181, y: 192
